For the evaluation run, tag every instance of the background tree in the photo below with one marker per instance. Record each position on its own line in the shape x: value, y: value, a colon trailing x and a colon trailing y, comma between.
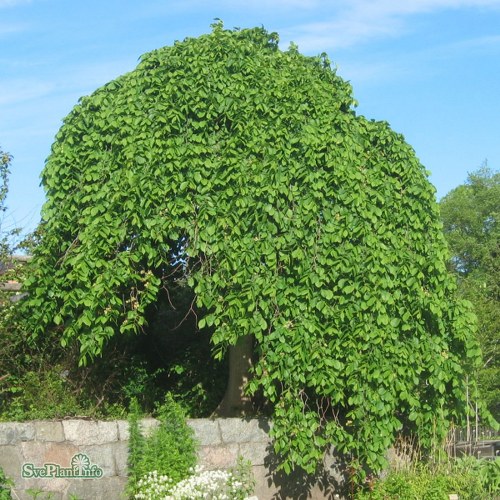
x: 242, y: 172
x: 471, y: 215
x: 6, y: 235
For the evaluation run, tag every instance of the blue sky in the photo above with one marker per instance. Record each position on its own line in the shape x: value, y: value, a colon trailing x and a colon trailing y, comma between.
x: 431, y: 68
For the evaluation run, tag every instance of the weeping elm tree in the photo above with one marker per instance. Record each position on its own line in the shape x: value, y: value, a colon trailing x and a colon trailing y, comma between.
x: 308, y: 234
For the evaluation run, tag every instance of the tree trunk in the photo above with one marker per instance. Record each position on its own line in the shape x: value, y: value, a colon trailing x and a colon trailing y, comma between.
x: 235, y: 403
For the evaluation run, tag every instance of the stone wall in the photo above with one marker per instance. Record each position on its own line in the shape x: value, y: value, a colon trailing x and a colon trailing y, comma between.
x: 105, y: 443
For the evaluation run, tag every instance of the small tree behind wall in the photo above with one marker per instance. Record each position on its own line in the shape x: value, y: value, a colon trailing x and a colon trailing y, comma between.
x: 307, y: 233
x: 6, y: 234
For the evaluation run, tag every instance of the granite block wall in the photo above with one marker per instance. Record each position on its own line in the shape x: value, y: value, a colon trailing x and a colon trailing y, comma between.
x: 30, y: 450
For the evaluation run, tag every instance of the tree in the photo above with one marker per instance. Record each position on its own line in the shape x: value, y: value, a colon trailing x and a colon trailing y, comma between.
x: 242, y: 171
x: 5, y: 236
x: 470, y: 215
x: 5, y: 159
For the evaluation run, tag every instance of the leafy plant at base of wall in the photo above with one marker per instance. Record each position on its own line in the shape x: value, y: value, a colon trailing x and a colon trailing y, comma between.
x: 468, y: 477
x: 170, y: 449
x: 38, y: 396
x: 243, y: 171
x: 5, y: 485
x: 242, y: 474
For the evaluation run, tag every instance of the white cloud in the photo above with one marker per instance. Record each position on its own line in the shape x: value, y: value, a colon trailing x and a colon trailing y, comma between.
x: 12, y: 3
x: 74, y: 80
x: 9, y: 29
x: 301, y: 4
x: 483, y: 42
x: 17, y: 91
x: 377, y: 71
x: 357, y: 21
x: 86, y: 78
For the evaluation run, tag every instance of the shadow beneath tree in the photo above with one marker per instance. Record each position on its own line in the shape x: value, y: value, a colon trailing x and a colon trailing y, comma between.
x: 331, y: 480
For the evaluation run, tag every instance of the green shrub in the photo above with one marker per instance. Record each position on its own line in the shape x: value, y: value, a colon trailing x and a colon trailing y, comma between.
x: 37, y: 396
x: 242, y: 475
x: 470, y: 478
x: 170, y: 449
x: 5, y: 484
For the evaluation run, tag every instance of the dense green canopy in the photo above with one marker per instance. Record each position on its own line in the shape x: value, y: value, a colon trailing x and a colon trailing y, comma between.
x: 471, y: 215
x: 293, y: 219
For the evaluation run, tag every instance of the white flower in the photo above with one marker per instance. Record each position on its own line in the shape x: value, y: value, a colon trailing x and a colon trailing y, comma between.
x: 201, y: 485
